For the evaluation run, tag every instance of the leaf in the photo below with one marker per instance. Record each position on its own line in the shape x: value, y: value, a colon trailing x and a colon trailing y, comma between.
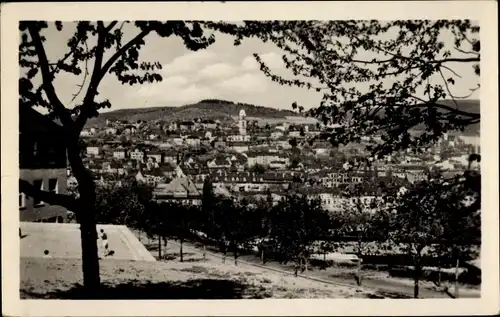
x: 476, y: 46
x: 59, y: 25
x: 32, y: 72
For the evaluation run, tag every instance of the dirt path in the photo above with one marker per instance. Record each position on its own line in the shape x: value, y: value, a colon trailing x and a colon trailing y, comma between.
x: 382, y: 284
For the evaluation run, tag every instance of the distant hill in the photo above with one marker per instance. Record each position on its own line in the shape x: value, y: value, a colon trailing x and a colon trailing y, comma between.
x: 228, y: 111
x: 206, y: 109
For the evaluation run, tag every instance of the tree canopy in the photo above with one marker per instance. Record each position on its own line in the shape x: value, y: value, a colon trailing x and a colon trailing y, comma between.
x: 376, y: 77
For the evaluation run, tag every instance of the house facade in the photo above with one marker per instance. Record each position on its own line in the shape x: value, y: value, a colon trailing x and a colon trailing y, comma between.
x: 137, y: 155
x: 93, y: 150
x: 43, y: 163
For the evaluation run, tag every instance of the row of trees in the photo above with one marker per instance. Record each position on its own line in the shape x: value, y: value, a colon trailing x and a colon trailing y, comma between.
x: 438, y: 218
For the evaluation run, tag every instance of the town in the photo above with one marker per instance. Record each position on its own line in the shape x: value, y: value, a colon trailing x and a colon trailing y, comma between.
x: 218, y: 176
x: 245, y: 160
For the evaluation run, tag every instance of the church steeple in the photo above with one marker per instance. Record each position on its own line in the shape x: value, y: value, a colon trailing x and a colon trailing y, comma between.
x: 242, y: 123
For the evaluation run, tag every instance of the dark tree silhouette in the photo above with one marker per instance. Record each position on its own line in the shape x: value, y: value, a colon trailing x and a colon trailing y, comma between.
x: 296, y: 223
x: 90, y: 44
x: 435, y: 212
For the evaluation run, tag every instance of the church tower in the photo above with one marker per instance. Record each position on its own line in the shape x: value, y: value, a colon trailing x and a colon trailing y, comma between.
x: 242, y: 123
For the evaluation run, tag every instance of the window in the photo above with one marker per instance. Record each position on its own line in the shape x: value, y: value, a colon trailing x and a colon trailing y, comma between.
x: 38, y: 183
x: 22, y: 200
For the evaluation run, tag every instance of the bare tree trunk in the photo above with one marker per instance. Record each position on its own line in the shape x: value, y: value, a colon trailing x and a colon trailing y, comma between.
x: 439, y: 272
x: 165, y: 241
x: 305, y: 264
x: 298, y: 264
x: 416, y: 277
x: 360, y: 262
x: 90, y: 256
x: 456, y: 277
x: 159, y: 247
x: 86, y: 217
x: 182, y: 239
x: 235, y: 254
x: 358, y: 272
x: 204, y: 251
x: 262, y: 256
x: 180, y: 249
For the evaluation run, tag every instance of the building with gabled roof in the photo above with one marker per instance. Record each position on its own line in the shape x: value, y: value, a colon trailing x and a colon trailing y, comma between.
x: 180, y: 190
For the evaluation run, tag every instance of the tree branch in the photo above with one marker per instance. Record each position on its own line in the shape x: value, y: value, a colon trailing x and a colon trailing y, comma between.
x: 437, y: 61
x: 51, y: 198
x: 99, y: 72
x: 451, y: 70
x: 47, y: 77
x: 444, y: 107
x: 111, y: 26
x: 84, y: 76
x: 457, y: 60
x: 466, y: 52
x: 448, y: 88
x: 88, y: 101
x: 472, y: 90
x: 121, y: 51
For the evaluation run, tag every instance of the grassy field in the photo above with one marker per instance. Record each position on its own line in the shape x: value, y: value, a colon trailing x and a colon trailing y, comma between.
x: 195, y: 278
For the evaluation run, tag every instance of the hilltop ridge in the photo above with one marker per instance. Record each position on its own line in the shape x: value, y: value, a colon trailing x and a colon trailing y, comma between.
x: 224, y: 110
x: 214, y: 109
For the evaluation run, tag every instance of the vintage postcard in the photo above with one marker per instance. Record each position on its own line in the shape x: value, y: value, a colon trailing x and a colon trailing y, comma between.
x: 241, y: 158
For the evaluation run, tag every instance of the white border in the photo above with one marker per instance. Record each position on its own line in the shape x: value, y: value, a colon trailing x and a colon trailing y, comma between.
x: 483, y: 11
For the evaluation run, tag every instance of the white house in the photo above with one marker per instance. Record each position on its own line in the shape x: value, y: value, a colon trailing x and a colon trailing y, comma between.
x: 154, y: 156
x: 261, y: 158
x: 93, y: 150
x: 280, y: 163
x: 239, y: 147
x: 238, y: 138
x: 137, y: 155
x: 119, y: 154
x: 193, y: 141
x: 177, y: 139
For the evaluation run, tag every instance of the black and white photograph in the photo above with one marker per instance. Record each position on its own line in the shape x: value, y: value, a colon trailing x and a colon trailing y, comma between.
x: 233, y: 158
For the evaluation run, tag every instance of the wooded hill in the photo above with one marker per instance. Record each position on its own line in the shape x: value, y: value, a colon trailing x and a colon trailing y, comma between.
x: 206, y: 109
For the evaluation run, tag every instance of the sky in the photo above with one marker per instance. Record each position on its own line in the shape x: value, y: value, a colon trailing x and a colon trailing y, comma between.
x: 221, y: 71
